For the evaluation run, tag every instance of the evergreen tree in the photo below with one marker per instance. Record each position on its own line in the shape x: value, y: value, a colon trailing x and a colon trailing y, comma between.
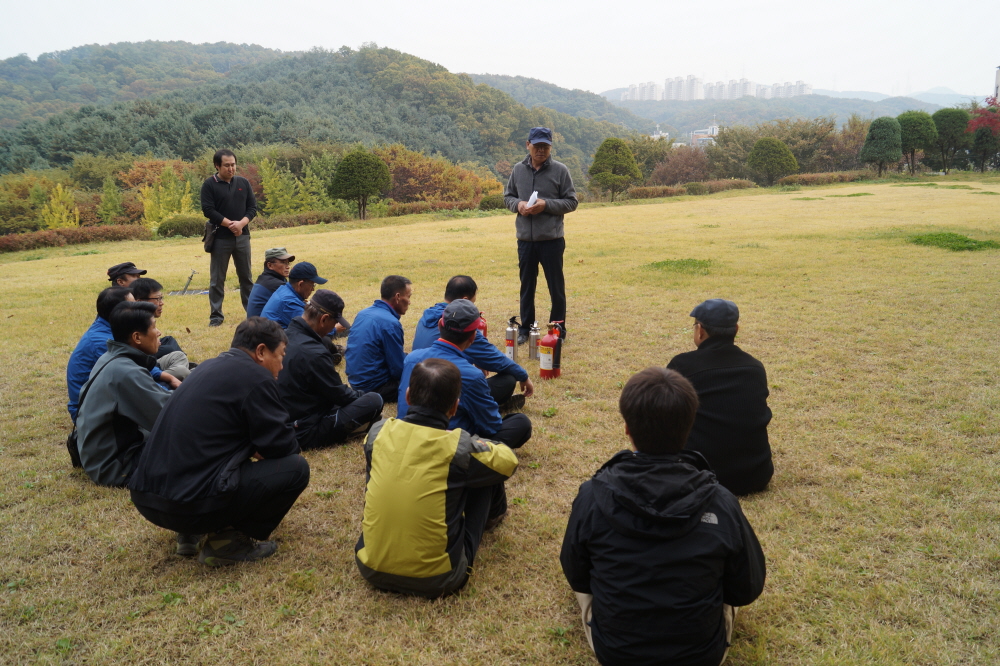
x: 281, y: 191
x: 614, y: 167
x: 649, y: 152
x: 985, y: 147
x: 61, y: 210
x: 111, y: 202
x: 359, y: 176
x: 168, y: 196
x: 883, y: 145
x: 951, y: 136
x: 771, y: 159
x: 917, y: 132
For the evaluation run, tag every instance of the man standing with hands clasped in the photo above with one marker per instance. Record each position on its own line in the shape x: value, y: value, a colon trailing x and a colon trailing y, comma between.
x: 228, y: 202
x: 540, y: 191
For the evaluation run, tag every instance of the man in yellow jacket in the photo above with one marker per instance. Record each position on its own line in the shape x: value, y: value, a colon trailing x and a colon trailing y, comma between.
x: 431, y: 492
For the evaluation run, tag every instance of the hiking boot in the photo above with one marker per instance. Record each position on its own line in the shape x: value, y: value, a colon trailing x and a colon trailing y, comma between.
x: 215, y: 322
x: 231, y: 546
x: 187, y: 544
x: 495, y: 521
x: 522, y: 338
x: 514, y: 403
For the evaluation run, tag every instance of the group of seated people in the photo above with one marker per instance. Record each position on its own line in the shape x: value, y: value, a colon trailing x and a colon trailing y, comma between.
x: 657, y: 548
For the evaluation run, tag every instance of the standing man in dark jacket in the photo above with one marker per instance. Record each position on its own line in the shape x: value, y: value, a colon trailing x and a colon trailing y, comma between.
x: 196, y: 474
x: 323, y: 409
x: 228, y: 202
x: 277, y: 264
x: 539, y: 224
x: 731, y: 427
x: 658, y: 552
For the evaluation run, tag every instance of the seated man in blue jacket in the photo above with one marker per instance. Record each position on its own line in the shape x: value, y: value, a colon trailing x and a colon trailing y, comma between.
x: 277, y: 263
x: 484, y: 355
x: 375, y: 351
x: 288, y: 300
x: 323, y: 409
x: 477, y: 411
x: 657, y: 551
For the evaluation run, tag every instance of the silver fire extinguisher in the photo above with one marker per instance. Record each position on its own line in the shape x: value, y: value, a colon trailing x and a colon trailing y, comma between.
x: 533, y: 337
x: 511, y: 339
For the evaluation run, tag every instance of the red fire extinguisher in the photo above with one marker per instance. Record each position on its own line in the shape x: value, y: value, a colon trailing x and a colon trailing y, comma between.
x: 550, y: 352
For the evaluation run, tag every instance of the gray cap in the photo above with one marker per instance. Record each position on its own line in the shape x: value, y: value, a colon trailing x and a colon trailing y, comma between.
x: 460, y: 316
x: 277, y: 253
x: 717, y: 313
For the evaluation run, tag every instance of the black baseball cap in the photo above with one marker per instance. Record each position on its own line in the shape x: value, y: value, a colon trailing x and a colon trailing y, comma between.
x: 540, y: 135
x: 460, y: 316
x: 127, y: 268
x: 328, y: 302
x: 717, y: 313
x: 305, y: 271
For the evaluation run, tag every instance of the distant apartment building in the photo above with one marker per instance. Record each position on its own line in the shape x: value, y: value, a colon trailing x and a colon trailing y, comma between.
x: 704, y: 137
x: 692, y: 88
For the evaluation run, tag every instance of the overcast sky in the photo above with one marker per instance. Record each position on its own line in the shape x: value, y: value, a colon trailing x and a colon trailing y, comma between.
x: 889, y: 46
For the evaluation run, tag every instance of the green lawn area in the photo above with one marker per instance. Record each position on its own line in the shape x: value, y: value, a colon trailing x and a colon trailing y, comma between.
x: 880, y: 527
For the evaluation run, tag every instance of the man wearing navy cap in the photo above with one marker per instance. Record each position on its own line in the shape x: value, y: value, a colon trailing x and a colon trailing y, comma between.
x: 289, y: 300
x: 730, y: 429
x: 540, y: 190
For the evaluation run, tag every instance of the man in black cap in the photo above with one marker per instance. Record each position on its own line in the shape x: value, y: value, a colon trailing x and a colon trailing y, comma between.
x: 289, y: 300
x: 540, y: 190
x: 731, y: 427
x: 277, y: 264
x: 323, y: 409
x: 227, y: 200
x: 122, y: 275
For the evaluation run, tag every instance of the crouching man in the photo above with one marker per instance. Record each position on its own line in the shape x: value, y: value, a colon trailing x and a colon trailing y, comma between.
x: 119, y: 404
x: 196, y: 475
x: 431, y: 492
x: 657, y: 551
x: 323, y: 409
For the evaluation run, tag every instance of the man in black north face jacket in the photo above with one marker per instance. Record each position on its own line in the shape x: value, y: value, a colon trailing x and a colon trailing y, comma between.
x: 657, y: 551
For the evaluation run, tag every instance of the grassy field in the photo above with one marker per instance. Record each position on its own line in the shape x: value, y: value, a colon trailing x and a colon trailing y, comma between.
x: 880, y: 527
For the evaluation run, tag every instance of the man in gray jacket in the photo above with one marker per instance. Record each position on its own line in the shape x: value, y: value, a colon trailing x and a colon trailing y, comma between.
x: 540, y: 191
x: 120, y: 401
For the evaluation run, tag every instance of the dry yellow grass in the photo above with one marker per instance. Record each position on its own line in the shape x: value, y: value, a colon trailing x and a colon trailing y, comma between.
x: 880, y: 528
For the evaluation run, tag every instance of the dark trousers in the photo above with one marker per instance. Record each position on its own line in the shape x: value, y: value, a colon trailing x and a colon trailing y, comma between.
x: 481, y: 504
x: 337, y: 425
x: 502, y: 387
x: 267, y: 490
x: 550, y: 254
x: 237, y: 247
x: 515, y: 431
x: 389, y: 391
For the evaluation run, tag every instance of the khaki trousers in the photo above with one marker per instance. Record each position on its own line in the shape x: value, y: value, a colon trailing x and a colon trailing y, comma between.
x: 586, y: 602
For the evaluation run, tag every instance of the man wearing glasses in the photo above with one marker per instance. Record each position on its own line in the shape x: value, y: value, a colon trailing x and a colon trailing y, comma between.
x: 277, y: 264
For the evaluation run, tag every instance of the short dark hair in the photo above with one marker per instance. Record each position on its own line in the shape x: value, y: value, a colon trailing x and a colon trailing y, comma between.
x: 435, y: 384
x: 729, y: 332
x: 255, y: 331
x: 659, y: 407
x: 109, y: 298
x: 392, y: 285
x: 455, y: 337
x: 143, y: 287
x: 219, y: 154
x: 129, y: 317
x: 460, y: 286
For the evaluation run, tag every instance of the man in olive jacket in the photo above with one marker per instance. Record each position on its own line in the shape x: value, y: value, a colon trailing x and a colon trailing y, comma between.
x: 539, y: 224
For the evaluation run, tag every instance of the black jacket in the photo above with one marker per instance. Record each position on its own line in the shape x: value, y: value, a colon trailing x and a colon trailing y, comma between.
x: 731, y: 427
x: 224, y: 412
x: 309, y: 383
x: 661, y: 546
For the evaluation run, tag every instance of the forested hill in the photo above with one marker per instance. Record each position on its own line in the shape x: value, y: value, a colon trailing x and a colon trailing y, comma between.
x: 580, y: 103
x: 96, y: 74
x: 373, y: 95
x: 689, y: 116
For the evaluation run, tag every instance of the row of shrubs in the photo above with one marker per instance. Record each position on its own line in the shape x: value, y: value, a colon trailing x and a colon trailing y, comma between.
x: 707, y: 187
x: 825, y: 178
x: 73, y: 236
x: 194, y: 225
x: 414, y: 207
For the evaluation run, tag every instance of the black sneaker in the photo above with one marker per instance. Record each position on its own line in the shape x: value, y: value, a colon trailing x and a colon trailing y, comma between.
x: 188, y: 544
x: 231, y: 546
x: 514, y: 403
x: 522, y: 338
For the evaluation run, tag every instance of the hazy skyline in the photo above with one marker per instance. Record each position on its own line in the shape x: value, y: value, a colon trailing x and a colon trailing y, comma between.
x: 893, y: 47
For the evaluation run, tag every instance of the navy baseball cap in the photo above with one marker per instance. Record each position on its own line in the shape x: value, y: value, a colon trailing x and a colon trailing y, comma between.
x: 460, y: 316
x: 717, y: 313
x: 305, y: 271
x: 540, y: 135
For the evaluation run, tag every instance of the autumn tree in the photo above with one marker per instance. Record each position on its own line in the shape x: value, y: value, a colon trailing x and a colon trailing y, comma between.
x: 360, y: 176
x: 883, y: 145
x: 111, y: 202
x: 614, y: 168
x: 684, y: 164
x: 985, y: 129
x: 61, y: 210
x: 649, y: 152
x: 771, y: 159
x: 951, y: 125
